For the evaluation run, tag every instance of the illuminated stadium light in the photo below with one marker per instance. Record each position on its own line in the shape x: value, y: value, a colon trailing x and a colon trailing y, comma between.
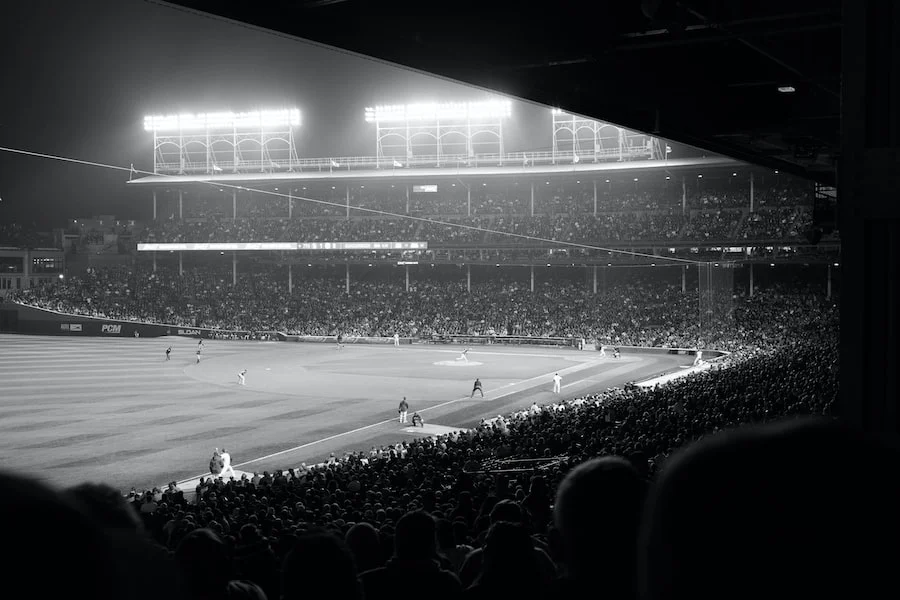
x: 261, y: 119
x: 439, y: 112
x: 787, y: 89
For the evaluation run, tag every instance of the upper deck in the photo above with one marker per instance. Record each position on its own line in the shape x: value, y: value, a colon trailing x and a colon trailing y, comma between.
x: 520, y: 165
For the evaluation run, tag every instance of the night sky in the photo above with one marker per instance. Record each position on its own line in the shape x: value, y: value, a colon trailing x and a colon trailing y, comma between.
x: 78, y: 78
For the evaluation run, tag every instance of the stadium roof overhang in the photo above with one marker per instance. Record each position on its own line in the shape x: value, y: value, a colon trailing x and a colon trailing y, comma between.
x: 519, y: 172
x: 758, y: 81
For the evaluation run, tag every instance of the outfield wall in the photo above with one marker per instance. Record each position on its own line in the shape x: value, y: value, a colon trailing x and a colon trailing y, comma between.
x: 18, y: 318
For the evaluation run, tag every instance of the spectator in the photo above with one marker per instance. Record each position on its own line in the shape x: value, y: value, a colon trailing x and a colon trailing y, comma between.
x: 364, y: 543
x: 510, y: 512
x: 55, y: 548
x: 803, y: 508
x: 597, y: 513
x: 318, y: 561
x: 511, y: 568
x: 414, y: 570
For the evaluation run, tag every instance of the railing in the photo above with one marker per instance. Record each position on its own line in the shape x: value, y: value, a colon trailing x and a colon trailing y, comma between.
x: 452, y: 161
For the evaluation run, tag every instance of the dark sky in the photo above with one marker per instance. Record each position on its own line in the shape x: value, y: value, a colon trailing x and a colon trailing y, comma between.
x: 78, y: 77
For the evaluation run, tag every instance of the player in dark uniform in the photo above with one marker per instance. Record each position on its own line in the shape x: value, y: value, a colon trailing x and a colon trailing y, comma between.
x: 168, y: 352
x: 403, y: 409
x: 477, y: 388
x: 340, y: 341
x: 200, y: 346
x: 616, y: 353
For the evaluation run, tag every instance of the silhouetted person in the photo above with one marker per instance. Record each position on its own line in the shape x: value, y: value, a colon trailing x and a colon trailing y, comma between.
x: 54, y: 548
x: 320, y: 561
x: 597, y: 514
x: 510, y: 512
x: 510, y: 567
x: 800, y: 509
x: 365, y: 544
x: 414, y: 572
x: 145, y: 566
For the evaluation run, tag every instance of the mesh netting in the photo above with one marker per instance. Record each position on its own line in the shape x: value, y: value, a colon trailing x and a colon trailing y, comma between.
x: 716, y: 301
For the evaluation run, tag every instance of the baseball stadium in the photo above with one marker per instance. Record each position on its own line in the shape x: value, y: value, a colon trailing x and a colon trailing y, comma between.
x: 393, y: 340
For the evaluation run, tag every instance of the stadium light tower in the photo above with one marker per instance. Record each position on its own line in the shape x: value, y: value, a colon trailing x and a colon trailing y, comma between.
x: 258, y: 141
x: 438, y: 133
x: 576, y: 139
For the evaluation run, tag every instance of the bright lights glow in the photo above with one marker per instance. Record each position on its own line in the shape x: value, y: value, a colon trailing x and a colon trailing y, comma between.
x: 243, y: 246
x: 786, y: 89
x: 496, y: 109
x: 261, y: 119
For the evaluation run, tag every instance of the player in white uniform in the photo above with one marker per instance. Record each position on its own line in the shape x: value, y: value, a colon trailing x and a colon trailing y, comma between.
x: 242, y: 377
x: 602, y: 351
x: 463, y: 356
x: 227, y: 469
x: 198, y: 356
x: 698, y: 359
x: 396, y: 340
x: 556, y: 381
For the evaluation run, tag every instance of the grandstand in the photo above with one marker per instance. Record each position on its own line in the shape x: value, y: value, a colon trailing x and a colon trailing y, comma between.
x: 580, y: 253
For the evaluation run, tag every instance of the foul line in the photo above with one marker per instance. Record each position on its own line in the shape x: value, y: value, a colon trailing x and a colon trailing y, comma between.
x: 573, y: 369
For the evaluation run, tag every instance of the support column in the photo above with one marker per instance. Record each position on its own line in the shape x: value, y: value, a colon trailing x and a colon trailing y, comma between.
x: 595, y: 280
x: 234, y: 204
x: 407, y: 278
x: 347, y: 280
x: 828, y: 284
x: 348, y: 205
x: 290, y: 203
x: 752, y: 282
x: 468, y: 200
x: 26, y: 270
x: 469, y: 278
x: 290, y: 278
x: 751, y: 192
x: 181, y: 204
x: 407, y: 202
x: 154, y: 261
x: 595, y: 206
x: 154, y: 205
x: 683, y: 195
x: 180, y: 263
x: 532, y: 198
x: 869, y: 216
x: 233, y: 268
x: 532, y: 278
x: 684, y: 279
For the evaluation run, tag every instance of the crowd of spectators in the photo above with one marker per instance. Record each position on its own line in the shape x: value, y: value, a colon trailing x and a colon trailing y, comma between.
x: 602, y: 495
x: 574, y: 499
x: 16, y: 235
x: 641, y: 312
x: 608, y: 227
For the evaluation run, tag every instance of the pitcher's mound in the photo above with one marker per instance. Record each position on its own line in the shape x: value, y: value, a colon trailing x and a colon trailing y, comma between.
x: 457, y: 363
